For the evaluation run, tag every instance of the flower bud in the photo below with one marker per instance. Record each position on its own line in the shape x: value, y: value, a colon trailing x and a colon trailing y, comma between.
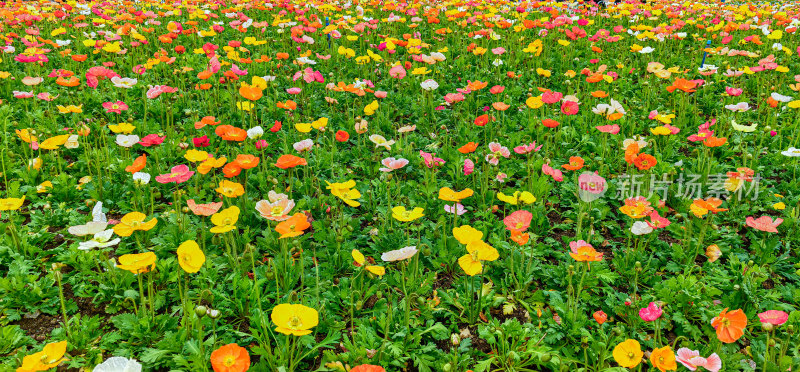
x: 200, y: 311
x: 455, y: 339
x: 214, y: 314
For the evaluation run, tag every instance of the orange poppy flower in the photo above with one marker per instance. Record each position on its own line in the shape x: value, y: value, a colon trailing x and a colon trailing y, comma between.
x: 599, y: 94
x: 230, y: 358
x: 586, y: 253
x: 294, y: 226
x: 482, y: 120
x: 79, y: 57
x: 631, y: 152
x: 468, y: 148
x: 231, y: 133
x: 550, y: 123
x: 231, y: 169
x: 138, y: 164
x: 251, y: 92
x: 246, y: 161
x: 289, y: 161
x: 519, y: 237
x: 714, y: 141
x: 575, y: 163
x: 288, y: 105
x: 730, y: 325
x: 367, y: 368
x: 687, y: 86
x: 282, y: 56
x: 645, y: 161
x: 205, y: 74
x: 206, y: 120
x: 700, y: 207
x: 477, y: 85
x: 72, y: 81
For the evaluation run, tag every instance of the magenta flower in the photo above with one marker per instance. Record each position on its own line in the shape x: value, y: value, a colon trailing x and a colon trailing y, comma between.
x: 178, y: 174
x: 151, y: 140
x: 261, y: 144
x: 200, y: 141
x: 774, y: 317
x: 650, y: 313
x: 115, y: 107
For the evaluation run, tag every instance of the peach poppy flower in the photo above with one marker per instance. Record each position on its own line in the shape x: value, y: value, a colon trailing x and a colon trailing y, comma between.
x: 764, y: 223
x: 518, y: 221
x: 276, y: 208
x: 207, y: 209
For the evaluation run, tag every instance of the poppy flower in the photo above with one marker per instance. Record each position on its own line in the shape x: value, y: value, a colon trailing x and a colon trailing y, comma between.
x: 651, y: 312
x: 600, y: 317
x: 774, y: 317
x: 190, y: 256
x: 293, y: 226
x: 342, y: 136
x: 764, y: 223
x: 391, y: 164
x: 401, y: 214
x: 730, y: 325
x: 691, y: 359
x: 645, y: 161
x: 290, y: 161
x: 582, y: 251
x: 288, y: 105
x: 230, y: 189
x: 152, y: 140
x: 360, y: 261
x: 518, y: 221
x: 477, y: 252
x: 517, y: 197
x: 482, y: 120
x: 138, y: 164
x: 133, y: 221
x: 250, y: 92
x: 550, y: 123
x: 575, y: 163
x: 628, y: 353
x: 276, y: 207
x: 230, y: 358
x: 207, y: 209
x: 246, y: 161
x: 712, y: 141
x: 367, y: 368
x: 225, y: 220
x: 50, y: 357
x: 231, y: 133
x: 664, y: 359
x: 137, y: 263
x: 448, y: 194
x: 345, y: 191
x: 687, y: 86
x: 178, y: 174
x: 701, y: 207
x: 294, y: 319
x: 206, y: 120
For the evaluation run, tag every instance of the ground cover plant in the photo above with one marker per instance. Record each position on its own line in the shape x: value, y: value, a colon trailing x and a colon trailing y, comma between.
x: 375, y: 186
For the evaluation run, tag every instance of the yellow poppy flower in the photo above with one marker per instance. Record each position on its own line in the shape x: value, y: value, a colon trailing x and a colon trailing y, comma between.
x: 190, y: 256
x: 479, y: 251
x: 11, y: 204
x: 137, y: 263
x: 294, y: 319
x: 401, y: 214
x: 628, y: 353
x: 133, y: 221
x: 448, y: 194
x: 225, y: 220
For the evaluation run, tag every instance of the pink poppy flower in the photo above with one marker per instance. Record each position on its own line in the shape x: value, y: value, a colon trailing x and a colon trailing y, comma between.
x: 151, y: 140
x: 469, y: 167
x: 764, y: 223
x: 498, y: 51
x: 551, y: 97
x: 115, y: 107
x: 452, y: 98
x: 178, y: 174
x: 457, y: 209
x: 500, y: 177
x: 430, y: 160
x: 653, y: 115
x: 309, y: 76
x: 552, y: 172
x: 592, y: 183
x: 656, y: 221
x: 261, y: 144
x: 397, y: 72
x: 381, y: 94
x: 294, y: 90
x: 18, y: 94
x: 46, y: 96
x: 735, y: 92
x: 692, y: 360
x: 774, y: 317
x: 158, y: 90
x: 650, y: 313
x: 497, y: 89
x: 609, y: 128
x: 524, y: 149
x: 391, y: 164
x: 97, y: 73
x: 207, y: 209
x: 497, y: 150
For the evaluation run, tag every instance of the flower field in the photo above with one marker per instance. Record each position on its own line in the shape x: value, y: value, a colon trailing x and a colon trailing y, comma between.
x: 399, y: 186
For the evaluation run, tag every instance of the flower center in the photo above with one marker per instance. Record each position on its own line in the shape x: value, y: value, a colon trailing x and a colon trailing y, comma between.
x: 229, y: 361
x: 295, y: 322
x: 277, y: 211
